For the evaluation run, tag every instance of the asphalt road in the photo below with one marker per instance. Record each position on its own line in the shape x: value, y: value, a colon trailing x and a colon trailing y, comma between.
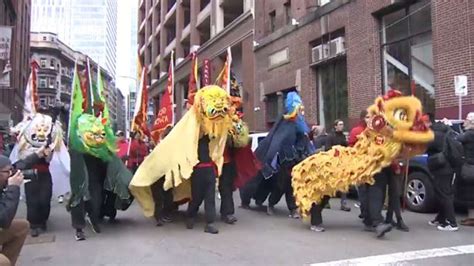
x: 256, y: 239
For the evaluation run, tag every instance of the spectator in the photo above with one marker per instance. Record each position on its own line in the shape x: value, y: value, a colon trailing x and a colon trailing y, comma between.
x: 465, y: 184
x: 13, y: 231
x: 319, y: 139
x: 122, y: 145
x: 138, y: 151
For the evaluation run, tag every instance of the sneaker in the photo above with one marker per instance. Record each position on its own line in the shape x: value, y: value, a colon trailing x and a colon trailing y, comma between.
x: 79, y: 236
x: 211, y: 229
x: 270, y: 210
x: 382, y: 229
x: 317, y: 228
x: 245, y: 206
x: 345, y: 208
x: 357, y: 205
x: 401, y: 226
x: 60, y: 199
x: 434, y: 223
x: 369, y: 228
x: 229, y: 219
x: 166, y: 219
x: 448, y: 227
x: 34, y: 232
x: 294, y: 214
x: 159, y: 222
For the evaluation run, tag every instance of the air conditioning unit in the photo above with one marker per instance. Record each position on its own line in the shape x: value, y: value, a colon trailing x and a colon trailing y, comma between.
x: 317, y: 54
x: 337, y: 46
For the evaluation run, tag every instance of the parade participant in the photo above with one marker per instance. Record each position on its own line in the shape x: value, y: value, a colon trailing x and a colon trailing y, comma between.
x: 137, y: 152
x: 13, y: 231
x: 95, y: 168
x: 33, y: 133
x: 465, y: 184
x: 395, y: 128
x: 285, y: 145
x: 337, y: 137
x: 190, y: 158
x: 122, y: 145
x: 395, y: 193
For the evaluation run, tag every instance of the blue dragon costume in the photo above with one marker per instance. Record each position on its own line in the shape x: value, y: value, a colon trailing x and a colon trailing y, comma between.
x: 286, y: 145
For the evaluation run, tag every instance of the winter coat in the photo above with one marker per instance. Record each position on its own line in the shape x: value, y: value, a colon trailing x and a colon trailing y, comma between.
x: 336, y: 138
x: 436, y: 146
x: 138, y: 151
x: 356, y: 131
x: 465, y: 190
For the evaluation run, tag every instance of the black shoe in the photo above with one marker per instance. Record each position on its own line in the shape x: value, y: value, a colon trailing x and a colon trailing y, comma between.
x: 345, y: 208
x: 382, y: 229
x: 190, y: 223
x: 402, y: 226
x: 369, y: 228
x: 229, y: 219
x: 79, y: 236
x: 159, y: 222
x: 94, y: 226
x: 361, y: 216
x: 245, y: 206
x: 211, y: 229
x: 34, y: 232
x: 166, y: 219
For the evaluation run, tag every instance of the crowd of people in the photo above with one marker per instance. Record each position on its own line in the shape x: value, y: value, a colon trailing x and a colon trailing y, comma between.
x: 278, y: 153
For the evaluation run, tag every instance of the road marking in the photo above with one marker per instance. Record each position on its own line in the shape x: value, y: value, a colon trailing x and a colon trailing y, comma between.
x: 403, y: 256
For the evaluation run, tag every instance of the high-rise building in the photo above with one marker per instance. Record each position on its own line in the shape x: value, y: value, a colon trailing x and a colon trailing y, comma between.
x: 14, y: 67
x: 88, y: 26
x: 206, y: 26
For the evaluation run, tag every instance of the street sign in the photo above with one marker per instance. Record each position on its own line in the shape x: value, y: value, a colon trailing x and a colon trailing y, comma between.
x: 460, y: 85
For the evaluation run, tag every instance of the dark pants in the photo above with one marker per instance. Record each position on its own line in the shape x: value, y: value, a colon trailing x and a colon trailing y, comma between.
x: 316, y: 211
x: 38, y: 194
x: 92, y: 207
x: 226, y: 188
x: 163, y: 199
x: 343, y: 199
x: 108, y: 206
x: 203, y: 188
x: 257, y: 188
x: 281, y: 187
x: 395, y: 188
x: 362, y: 194
x: 375, y: 198
x: 445, y: 196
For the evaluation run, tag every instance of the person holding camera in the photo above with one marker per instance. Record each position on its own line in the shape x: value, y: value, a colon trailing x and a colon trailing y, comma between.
x: 13, y: 232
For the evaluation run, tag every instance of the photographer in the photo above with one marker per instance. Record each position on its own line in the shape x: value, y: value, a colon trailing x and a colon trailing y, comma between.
x: 12, y: 232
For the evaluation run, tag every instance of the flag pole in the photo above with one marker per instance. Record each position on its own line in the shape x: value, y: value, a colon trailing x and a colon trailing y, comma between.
x: 75, y: 75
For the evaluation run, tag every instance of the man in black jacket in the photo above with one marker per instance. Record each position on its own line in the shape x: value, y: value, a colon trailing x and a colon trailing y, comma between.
x: 441, y: 168
x: 13, y: 231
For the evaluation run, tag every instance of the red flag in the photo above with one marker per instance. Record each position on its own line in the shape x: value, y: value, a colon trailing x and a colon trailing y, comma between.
x: 165, y: 116
x: 141, y: 107
x: 192, y: 84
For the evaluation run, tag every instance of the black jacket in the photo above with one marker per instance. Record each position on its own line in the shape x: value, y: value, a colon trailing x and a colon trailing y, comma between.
x: 10, y: 196
x: 320, y: 141
x: 336, y: 138
x: 467, y: 140
x: 438, y: 145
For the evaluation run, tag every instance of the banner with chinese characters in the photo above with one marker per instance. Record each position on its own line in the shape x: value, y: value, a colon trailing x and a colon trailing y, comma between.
x: 5, y: 49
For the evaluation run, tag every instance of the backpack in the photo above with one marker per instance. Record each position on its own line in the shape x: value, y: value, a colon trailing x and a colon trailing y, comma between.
x: 454, y: 150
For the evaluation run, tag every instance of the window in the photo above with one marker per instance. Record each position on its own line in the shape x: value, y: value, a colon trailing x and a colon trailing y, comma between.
x: 272, y: 108
x: 333, y: 95
x: 51, y: 82
x: 288, y: 11
x: 272, y: 21
x: 42, y: 82
x: 42, y: 101
x: 43, y: 62
x: 407, y: 51
x: 51, y: 64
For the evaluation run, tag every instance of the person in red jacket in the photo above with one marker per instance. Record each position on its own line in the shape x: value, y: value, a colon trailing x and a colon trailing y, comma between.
x: 359, y: 128
x: 122, y: 145
x: 138, y: 152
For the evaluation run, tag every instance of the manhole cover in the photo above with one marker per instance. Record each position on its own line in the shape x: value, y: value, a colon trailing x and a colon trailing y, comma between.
x: 45, y: 238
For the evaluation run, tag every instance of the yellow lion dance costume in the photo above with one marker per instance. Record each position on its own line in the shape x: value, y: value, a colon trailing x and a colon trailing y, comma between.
x: 177, y: 154
x: 395, y: 129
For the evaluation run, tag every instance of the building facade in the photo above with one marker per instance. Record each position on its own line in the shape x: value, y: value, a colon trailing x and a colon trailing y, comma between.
x: 85, y: 25
x: 15, y: 14
x: 341, y: 54
x: 206, y: 26
x: 121, y: 111
x: 56, y: 69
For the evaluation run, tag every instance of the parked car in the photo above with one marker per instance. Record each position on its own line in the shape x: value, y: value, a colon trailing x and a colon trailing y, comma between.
x: 256, y: 137
x: 420, y: 194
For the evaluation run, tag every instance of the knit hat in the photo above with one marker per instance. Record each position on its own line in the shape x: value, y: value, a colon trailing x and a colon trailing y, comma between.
x: 4, y: 161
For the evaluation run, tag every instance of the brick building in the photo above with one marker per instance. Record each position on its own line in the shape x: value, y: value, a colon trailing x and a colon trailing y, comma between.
x: 56, y: 69
x: 341, y: 54
x: 16, y: 14
x: 205, y: 26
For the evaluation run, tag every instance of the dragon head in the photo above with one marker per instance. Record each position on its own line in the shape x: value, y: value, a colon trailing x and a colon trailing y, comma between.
x: 93, y: 137
x: 399, y: 118
x: 295, y: 111
x: 239, y: 132
x: 212, y: 105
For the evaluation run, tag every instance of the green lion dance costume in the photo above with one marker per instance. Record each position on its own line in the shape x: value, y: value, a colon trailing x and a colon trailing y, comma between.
x: 99, y: 179
x: 395, y: 130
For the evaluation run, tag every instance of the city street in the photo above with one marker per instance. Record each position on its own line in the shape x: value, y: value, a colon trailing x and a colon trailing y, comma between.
x: 256, y: 239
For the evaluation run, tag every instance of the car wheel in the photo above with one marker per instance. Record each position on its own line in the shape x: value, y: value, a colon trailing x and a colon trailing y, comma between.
x: 420, y: 194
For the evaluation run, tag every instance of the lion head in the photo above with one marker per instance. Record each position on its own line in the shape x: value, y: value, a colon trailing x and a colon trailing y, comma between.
x: 212, y: 105
x: 94, y: 137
